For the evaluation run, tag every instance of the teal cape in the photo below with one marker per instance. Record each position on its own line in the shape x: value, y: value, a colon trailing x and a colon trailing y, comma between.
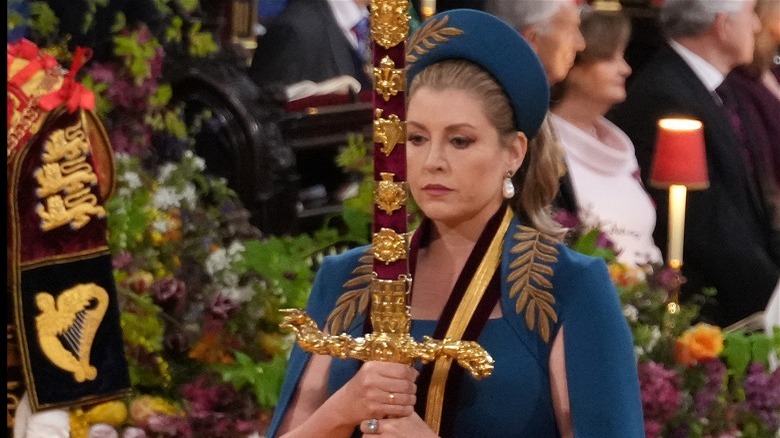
x: 516, y: 401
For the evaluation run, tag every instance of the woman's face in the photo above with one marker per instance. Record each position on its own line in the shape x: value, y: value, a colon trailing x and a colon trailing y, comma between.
x: 602, y: 81
x: 455, y: 162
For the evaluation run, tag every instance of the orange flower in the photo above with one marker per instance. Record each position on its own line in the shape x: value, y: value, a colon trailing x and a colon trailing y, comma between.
x: 211, y: 349
x: 698, y: 343
x: 624, y: 275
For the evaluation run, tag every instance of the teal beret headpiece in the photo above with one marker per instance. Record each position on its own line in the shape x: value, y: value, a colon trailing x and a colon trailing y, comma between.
x: 495, y: 46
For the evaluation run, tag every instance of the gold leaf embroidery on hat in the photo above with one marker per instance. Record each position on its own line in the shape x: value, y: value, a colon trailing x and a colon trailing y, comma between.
x: 428, y: 37
x: 355, y: 300
x: 529, y: 277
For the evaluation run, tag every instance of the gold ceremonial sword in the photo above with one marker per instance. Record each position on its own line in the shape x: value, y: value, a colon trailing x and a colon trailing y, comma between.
x: 391, y: 283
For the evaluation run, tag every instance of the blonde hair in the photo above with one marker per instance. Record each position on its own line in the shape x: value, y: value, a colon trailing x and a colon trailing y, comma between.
x: 538, y: 177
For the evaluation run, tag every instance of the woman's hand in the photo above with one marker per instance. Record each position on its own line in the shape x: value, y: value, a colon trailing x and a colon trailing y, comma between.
x: 378, y: 390
x: 402, y: 427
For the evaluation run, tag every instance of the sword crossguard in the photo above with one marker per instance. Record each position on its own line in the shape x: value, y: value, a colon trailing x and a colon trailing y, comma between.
x: 388, y: 347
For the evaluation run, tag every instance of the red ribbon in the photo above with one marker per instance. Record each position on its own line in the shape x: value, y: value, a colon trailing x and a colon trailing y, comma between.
x: 23, y: 48
x: 26, y: 49
x: 72, y: 93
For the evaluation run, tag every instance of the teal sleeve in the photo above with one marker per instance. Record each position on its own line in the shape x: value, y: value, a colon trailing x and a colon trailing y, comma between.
x: 325, y: 291
x: 601, y: 367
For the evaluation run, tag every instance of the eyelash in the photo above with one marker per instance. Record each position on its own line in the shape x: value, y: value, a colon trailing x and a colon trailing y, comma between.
x: 459, y: 142
x: 415, y: 139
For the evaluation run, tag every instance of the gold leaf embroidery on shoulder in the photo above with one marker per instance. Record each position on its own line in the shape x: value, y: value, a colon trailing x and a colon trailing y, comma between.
x: 529, y: 276
x: 356, y: 298
x: 428, y: 37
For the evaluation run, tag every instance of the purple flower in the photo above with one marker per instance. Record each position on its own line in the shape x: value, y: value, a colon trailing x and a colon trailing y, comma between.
x: 660, y: 390
x: 169, y: 425
x: 762, y: 394
x: 170, y: 294
x: 666, y: 278
x: 222, y: 307
x: 122, y: 260
x: 705, y: 397
x: 567, y: 219
x: 175, y: 340
x: 102, y: 73
x: 218, y: 410
x: 603, y: 241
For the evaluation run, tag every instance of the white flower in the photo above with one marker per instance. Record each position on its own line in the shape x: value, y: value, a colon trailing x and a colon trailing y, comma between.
x: 630, y: 312
x: 189, y: 194
x: 235, y: 250
x: 165, y: 198
x: 165, y: 172
x: 238, y: 294
x: 638, y: 351
x: 161, y: 225
x: 199, y: 163
x: 216, y: 262
x: 655, y: 336
x: 130, y: 179
x: 230, y: 278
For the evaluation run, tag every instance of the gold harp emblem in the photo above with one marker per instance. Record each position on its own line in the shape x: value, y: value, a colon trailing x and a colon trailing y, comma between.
x: 388, y: 195
x: 66, y: 328
x: 389, y: 131
x: 389, y: 22
x: 388, y: 79
x: 389, y: 246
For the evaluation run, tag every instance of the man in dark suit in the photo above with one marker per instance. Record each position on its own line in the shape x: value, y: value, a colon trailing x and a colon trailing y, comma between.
x: 727, y: 231
x: 312, y: 40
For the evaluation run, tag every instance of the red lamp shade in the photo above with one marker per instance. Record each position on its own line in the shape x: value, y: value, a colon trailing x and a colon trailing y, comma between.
x: 679, y: 155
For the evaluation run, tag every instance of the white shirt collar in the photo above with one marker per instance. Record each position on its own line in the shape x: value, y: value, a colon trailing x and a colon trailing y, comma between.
x: 710, y: 76
x: 347, y: 13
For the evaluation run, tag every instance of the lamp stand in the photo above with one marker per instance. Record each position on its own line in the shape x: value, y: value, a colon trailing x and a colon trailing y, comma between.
x: 677, y: 196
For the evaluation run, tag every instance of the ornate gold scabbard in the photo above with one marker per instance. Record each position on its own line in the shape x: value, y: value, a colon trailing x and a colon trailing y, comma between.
x: 391, y: 283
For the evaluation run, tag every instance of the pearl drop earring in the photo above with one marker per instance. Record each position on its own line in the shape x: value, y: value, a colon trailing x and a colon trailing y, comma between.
x: 509, y: 188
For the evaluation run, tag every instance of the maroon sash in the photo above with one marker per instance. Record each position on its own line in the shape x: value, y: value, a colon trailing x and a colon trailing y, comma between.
x: 474, y: 328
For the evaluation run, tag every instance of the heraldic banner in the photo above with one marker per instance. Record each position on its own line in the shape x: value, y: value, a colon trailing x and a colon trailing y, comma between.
x: 60, y: 171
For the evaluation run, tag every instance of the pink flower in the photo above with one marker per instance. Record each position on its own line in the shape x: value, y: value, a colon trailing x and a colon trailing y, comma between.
x: 170, y: 294
x: 653, y: 429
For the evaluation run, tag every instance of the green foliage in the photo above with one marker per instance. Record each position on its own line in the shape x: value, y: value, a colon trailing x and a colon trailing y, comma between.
x: 99, y: 89
x: 43, y: 22
x: 741, y: 349
x: 15, y: 19
x: 285, y: 263
x: 356, y: 158
x: 143, y: 333
x: 263, y: 378
x: 137, y: 56
x: 89, y: 17
x: 588, y: 244
x: 202, y: 44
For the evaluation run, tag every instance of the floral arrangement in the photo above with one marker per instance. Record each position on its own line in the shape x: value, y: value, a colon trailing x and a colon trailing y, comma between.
x: 695, y: 379
x: 198, y: 297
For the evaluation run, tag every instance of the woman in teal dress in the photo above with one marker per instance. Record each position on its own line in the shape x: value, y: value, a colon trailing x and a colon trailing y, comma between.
x: 549, y: 317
